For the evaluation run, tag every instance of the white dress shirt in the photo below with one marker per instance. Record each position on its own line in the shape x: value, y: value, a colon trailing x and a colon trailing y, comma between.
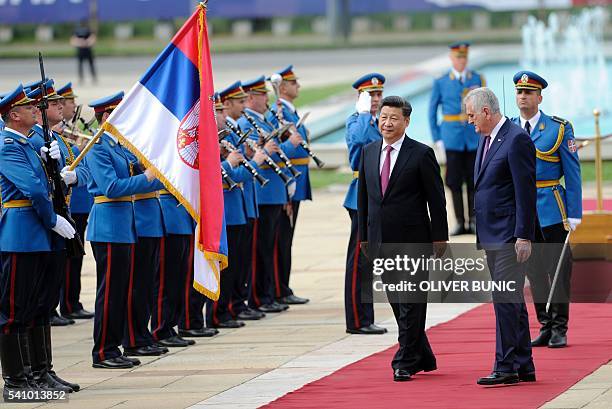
x: 394, y: 153
x: 459, y: 75
x: 15, y: 132
x: 289, y: 104
x: 495, y: 130
x: 532, y: 122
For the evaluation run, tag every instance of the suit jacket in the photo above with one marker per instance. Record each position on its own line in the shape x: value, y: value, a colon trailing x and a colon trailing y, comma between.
x: 401, y: 215
x: 505, y: 188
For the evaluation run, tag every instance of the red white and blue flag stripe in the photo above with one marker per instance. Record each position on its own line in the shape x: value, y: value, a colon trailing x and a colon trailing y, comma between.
x: 167, y: 120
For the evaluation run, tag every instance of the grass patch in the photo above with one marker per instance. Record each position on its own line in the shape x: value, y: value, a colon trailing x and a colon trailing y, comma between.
x: 310, y: 95
x: 588, y: 171
x: 320, y: 178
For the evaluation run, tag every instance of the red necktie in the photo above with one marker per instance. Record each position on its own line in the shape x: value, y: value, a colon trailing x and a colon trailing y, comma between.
x: 486, y: 149
x: 386, y: 170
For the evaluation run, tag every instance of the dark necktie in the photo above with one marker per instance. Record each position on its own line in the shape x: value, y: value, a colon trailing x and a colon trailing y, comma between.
x: 528, y: 127
x: 386, y: 170
x: 486, y: 149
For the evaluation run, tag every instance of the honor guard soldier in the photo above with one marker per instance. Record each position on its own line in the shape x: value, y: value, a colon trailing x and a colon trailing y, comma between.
x: 218, y: 314
x: 361, y: 129
x: 1, y: 121
x: 454, y: 135
x: 288, y: 92
x: 230, y: 109
x: 559, y: 206
x: 270, y: 199
x: 28, y: 229
x: 78, y: 177
x: 80, y: 205
x: 112, y: 234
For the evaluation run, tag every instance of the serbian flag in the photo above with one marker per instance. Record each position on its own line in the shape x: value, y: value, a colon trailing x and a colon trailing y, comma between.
x: 167, y: 120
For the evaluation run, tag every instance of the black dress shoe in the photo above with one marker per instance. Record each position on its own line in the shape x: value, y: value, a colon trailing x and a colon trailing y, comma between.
x: 188, y: 341
x: 133, y: 361
x: 230, y: 324
x: 197, y: 333
x: 374, y: 326
x: 57, y: 321
x: 280, y: 305
x: 458, y: 230
x: 499, y: 378
x: 148, y: 350
x: 174, y: 342
x: 527, y: 377
x: 542, y: 339
x: 557, y: 341
x: 113, y: 363
x: 74, y: 386
x: 81, y: 314
x: 271, y: 308
x: 369, y: 330
x: 250, y: 315
x: 293, y: 299
x: 401, y: 375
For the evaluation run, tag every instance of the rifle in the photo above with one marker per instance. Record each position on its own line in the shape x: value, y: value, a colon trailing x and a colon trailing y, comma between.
x: 74, y: 246
x: 244, y: 138
x: 263, y: 134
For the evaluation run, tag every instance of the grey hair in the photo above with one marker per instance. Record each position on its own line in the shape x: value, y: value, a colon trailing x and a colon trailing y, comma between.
x: 483, y: 97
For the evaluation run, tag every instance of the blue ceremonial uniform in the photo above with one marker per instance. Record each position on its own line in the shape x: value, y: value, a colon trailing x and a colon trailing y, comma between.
x: 176, y: 218
x: 81, y: 200
x: 113, y: 222
x: 361, y: 129
x: 298, y: 155
x: 28, y: 228
x: 556, y: 157
x: 448, y: 91
x: 274, y: 193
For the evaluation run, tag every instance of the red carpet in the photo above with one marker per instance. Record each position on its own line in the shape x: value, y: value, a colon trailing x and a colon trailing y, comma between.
x: 465, y: 350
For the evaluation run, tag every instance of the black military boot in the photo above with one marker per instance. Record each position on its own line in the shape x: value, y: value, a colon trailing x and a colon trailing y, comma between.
x: 545, y: 329
x: 459, y: 229
x: 75, y: 387
x: 12, y: 366
x: 38, y: 357
x: 25, y: 357
x: 560, y: 317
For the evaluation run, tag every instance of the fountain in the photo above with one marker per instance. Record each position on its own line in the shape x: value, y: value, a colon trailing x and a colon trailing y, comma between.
x: 571, y: 58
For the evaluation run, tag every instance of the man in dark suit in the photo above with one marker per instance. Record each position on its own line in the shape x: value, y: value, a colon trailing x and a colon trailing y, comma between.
x: 399, y: 180
x: 505, y: 202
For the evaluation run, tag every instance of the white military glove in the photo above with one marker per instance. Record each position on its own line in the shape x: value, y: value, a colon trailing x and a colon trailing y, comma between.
x: 364, y: 102
x: 573, y: 223
x: 291, y: 189
x: 440, y: 145
x: 69, y: 176
x: 54, y: 152
x: 63, y: 228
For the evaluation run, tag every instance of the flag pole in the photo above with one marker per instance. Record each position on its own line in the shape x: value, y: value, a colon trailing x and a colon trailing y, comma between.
x: 86, y: 149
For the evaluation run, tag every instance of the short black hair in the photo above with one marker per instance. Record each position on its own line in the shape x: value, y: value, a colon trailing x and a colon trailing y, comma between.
x: 397, y: 102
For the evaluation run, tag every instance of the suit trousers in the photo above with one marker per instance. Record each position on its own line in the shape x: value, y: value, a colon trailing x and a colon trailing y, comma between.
x: 71, y: 291
x: 283, y: 244
x: 147, y: 259
x: 219, y: 311
x: 21, y: 283
x: 512, y: 340
x: 176, y: 267
x: 192, y: 315
x: 357, y: 282
x: 242, y: 287
x: 114, y: 267
x: 541, y: 271
x: 264, y: 233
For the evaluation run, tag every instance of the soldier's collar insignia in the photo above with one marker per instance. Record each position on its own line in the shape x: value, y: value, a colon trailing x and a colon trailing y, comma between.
x: 542, y: 126
x: 8, y: 140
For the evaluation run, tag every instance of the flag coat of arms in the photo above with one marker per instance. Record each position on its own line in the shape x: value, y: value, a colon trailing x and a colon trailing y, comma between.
x: 167, y: 121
